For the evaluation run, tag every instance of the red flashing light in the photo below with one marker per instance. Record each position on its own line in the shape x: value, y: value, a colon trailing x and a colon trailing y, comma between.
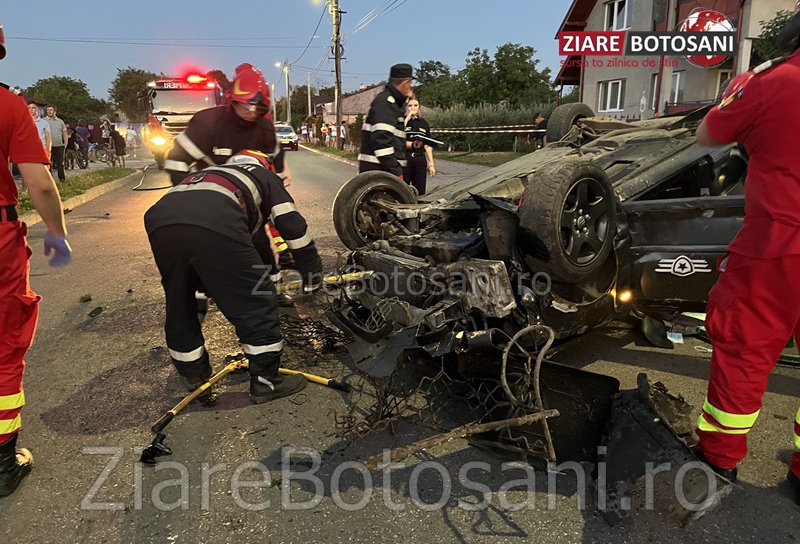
x: 194, y: 78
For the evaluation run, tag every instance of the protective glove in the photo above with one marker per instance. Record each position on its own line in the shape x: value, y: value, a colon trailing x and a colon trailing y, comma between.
x: 58, y: 245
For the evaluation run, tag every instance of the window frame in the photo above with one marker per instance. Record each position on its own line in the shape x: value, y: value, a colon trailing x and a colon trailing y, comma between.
x: 676, y: 91
x: 612, y: 12
x: 604, y: 96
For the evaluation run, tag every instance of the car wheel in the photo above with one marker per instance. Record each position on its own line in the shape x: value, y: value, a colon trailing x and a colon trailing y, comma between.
x: 357, y: 216
x: 567, y: 220
x: 564, y: 118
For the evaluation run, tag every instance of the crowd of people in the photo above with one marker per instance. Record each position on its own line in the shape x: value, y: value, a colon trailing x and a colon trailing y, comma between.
x: 70, y: 147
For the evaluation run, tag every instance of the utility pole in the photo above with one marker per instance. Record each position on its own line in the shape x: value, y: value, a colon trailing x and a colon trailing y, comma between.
x: 288, y: 97
x: 272, y: 85
x: 337, y: 54
x: 308, y: 88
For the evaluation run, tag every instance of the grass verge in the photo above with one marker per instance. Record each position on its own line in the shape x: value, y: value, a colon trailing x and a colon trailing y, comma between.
x: 77, y: 185
x: 352, y: 155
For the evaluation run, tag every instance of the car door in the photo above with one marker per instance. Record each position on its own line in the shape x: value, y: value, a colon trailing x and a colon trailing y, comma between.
x: 673, y: 246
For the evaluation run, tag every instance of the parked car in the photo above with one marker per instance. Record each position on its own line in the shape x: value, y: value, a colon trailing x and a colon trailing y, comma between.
x: 610, y: 218
x: 287, y: 137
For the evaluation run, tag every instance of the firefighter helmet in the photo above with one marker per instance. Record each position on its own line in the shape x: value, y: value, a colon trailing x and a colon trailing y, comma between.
x: 251, y: 156
x: 250, y: 87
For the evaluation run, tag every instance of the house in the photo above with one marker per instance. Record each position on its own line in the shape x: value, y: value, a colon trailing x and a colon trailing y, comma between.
x: 324, y: 106
x: 674, y: 84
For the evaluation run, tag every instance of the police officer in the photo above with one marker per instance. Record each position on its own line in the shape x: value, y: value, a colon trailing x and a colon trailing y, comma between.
x: 18, y: 304
x: 203, y: 231
x: 383, y: 135
x: 419, y: 155
x: 215, y: 134
x: 754, y: 308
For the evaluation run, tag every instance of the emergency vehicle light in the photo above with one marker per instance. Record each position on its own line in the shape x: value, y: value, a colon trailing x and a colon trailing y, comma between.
x: 194, y: 78
x: 210, y: 84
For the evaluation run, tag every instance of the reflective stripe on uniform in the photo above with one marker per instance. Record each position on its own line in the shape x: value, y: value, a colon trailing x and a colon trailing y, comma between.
x: 384, y: 152
x: 205, y: 186
x: 276, y: 277
x: 187, y: 356
x: 10, y: 402
x: 704, y: 425
x: 368, y: 158
x: 797, y: 431
x: 299, y: 243
x: 726, y: 419
x: 245, y: 179
x: 257, y: 350
x: 384, y: 126
x: 8, y: 426
x: 281, y: 209
x: 178, y: 166
x: 189, y: 146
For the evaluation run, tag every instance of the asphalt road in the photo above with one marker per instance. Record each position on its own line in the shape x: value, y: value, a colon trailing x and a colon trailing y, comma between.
x: 95, y: 384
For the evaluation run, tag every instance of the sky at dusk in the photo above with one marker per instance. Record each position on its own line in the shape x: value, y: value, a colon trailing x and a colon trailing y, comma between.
x: 90, y: 39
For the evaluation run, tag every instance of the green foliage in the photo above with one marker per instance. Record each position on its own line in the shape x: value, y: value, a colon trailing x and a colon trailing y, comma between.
x: 70, y: 96
x: 572, y: 96
x: 482, y: 116
x: 354, y: 130
x: 221, y: 78
x: 126, y: 92
x: 79, y: 184
x: 766, y: 45
x: 511, y: 77
x: 318, y: 127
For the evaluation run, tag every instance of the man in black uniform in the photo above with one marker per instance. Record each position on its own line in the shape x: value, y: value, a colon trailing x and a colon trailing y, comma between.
x: 215, y: 134
x: 204, y: 231
x: 383, y: 135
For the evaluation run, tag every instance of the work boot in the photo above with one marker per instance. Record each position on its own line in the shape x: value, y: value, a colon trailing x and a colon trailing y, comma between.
x: 194, y: 375
x: 263, y: 389
x: 794, y: 487
x: 15, y: 464
x: 731, y: 474
x: 286, y: 261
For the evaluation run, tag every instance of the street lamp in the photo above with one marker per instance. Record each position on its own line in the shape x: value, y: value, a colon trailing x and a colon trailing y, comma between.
x: 288, y: 98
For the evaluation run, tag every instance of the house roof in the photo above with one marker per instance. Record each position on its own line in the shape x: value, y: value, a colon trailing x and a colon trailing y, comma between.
x: 577, y: 16
x: 321, y: 100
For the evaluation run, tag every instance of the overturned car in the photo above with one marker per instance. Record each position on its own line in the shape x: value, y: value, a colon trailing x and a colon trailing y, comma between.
x: 612, y: 218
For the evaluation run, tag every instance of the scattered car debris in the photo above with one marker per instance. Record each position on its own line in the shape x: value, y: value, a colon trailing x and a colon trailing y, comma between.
x: 97, y: 311
x: 85, y: 298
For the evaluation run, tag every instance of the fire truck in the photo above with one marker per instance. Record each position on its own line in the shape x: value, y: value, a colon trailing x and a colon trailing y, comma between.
x: 171, y: 103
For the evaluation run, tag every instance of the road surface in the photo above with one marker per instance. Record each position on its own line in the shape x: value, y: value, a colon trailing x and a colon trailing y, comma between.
x: 95, y: 384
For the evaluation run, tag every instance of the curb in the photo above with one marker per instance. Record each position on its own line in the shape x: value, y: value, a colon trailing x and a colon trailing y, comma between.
x: 332, y: 157
x: 33, y: 218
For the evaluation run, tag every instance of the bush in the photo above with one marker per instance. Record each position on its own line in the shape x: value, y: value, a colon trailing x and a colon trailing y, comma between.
x: 483, y: 115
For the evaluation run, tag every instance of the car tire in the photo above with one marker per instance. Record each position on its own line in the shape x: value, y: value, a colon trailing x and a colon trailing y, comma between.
x: 351, y: 208
x: 567, y: 220
x: 564, y: 118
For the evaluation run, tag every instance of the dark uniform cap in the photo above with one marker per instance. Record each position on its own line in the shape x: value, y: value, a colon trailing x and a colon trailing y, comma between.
x: 401, y: 71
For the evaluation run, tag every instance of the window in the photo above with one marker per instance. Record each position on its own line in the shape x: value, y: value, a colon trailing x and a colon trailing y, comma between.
x: 619, y: 15
x: 611, y: 95
x: 653, y: 90
x: 722, y: 80
x: 678, y: 83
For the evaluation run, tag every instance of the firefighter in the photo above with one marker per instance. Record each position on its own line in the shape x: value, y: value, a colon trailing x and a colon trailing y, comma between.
x: 203, y: 231
x: 21, y: 145
x: 383, y: 135
x: 215, y: 134
x: 754, y: 308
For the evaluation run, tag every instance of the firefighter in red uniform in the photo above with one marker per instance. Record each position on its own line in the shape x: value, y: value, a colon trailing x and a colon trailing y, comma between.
x: 20, y: 143
x: 754, y: 308
x: 214, y: 135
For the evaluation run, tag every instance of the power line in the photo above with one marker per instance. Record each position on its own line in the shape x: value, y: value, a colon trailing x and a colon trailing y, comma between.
x: 313, y: 34
x: 163, y: 44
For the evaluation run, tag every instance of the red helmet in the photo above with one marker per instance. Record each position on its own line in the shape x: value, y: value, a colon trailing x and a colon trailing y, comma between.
x: 2, y: 43
x: 250, y: 87
x: 251, y: 156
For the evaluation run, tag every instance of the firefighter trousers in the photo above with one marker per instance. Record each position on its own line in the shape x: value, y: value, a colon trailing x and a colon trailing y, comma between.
x: 753, y: 311
x: 235, y: 277
x: 19, y: 311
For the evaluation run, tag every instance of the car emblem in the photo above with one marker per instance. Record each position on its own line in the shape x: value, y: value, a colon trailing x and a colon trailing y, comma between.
x: 682, y: 266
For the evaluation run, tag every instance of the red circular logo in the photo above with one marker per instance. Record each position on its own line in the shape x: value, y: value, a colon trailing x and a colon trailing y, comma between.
x: 706, y: 20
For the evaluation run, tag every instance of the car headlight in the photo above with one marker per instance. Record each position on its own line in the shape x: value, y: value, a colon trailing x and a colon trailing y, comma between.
x: 158, y: 140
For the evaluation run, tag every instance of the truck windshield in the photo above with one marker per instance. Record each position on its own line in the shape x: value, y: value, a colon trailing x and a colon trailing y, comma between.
x: 182, y: 100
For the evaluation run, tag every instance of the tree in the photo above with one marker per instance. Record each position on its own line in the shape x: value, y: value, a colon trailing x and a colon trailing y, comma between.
x: 476, y: 79
x: 70, y: 96
x: 220, y: 77
x: 517, y: 78
x: 126, y: 91
x: 436, y: 86
x: 766, y: 45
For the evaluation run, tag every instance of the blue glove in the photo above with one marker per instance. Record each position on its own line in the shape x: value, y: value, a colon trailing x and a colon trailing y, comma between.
x: 59, y: 245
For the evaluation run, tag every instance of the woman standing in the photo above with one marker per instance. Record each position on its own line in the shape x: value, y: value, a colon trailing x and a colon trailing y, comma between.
x: 419, y: 156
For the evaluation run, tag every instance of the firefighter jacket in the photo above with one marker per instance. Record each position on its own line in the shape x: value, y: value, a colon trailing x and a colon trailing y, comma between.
x: 237, y: 201
x: 383, y: 135
x: 214, y: 135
